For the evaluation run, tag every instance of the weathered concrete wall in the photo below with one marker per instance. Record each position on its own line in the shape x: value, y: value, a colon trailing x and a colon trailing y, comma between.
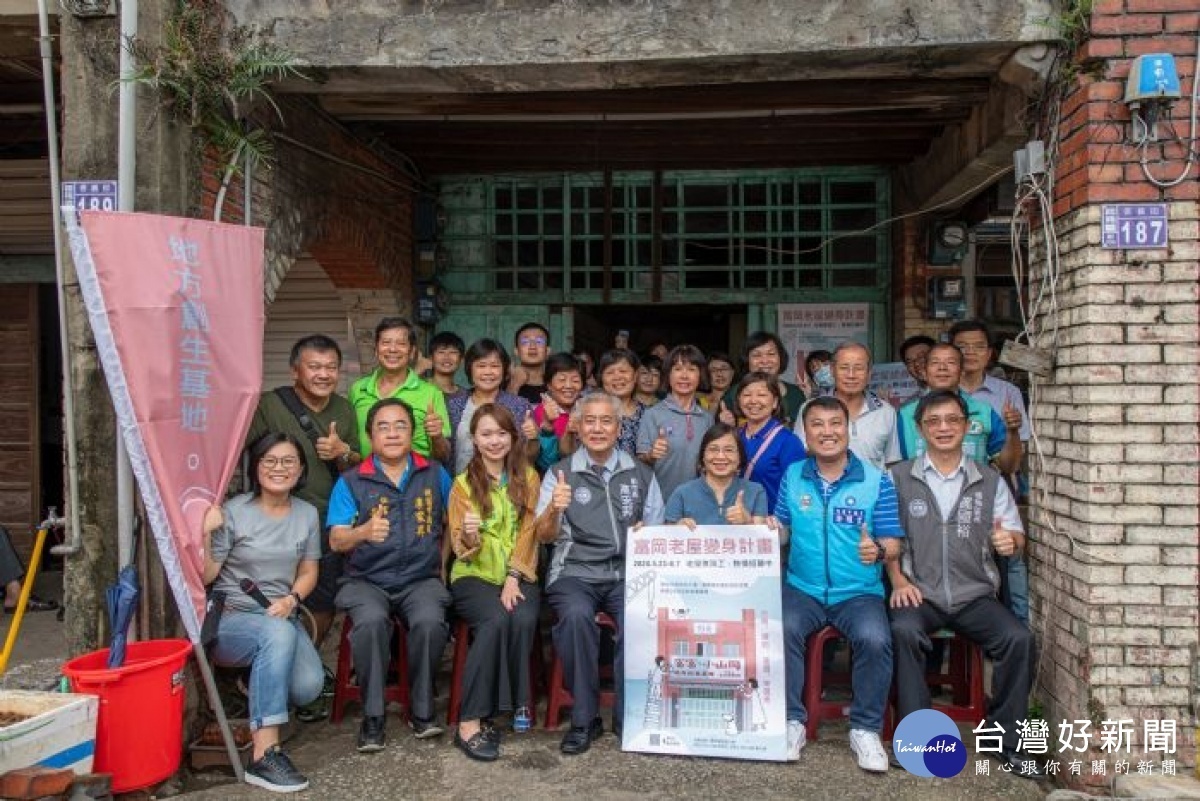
x: 451, y: 45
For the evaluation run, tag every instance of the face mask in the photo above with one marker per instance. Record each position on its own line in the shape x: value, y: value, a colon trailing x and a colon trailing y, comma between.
x: 824, y: 377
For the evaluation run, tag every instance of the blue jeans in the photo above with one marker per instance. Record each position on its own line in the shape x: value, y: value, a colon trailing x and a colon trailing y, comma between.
x: 864, y: 622
x: 284, y: 665
x: 1018, y: 588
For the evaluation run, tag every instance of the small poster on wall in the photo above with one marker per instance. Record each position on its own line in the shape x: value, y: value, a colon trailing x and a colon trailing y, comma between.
x: 805, y: 327
x: 704, y: 670
x: 892, y: 382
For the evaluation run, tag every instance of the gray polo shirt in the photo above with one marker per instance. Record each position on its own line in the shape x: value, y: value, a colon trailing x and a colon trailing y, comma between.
x: 263, y: 548
x: 683, y: 430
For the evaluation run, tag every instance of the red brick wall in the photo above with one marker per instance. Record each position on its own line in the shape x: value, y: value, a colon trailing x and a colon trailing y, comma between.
x: 1095, y: 163
x: 352, y: 211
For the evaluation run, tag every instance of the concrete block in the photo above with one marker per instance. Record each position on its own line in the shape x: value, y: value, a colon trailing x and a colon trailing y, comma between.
x: 1163, y: 454
x: 1166, y: 495
x: 1162, y: 413
x: 1161, y: 535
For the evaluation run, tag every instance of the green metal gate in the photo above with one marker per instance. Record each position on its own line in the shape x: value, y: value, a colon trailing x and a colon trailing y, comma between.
x: 532, y: 246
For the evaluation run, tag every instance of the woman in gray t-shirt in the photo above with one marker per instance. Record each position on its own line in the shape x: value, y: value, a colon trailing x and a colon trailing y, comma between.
x: 273, y: 539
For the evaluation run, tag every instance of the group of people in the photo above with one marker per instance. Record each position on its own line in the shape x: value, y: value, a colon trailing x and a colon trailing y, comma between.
x: 413, y: 495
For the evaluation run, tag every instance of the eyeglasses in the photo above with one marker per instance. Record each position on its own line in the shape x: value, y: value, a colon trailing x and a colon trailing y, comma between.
x: 721, y: 450
x: 286, y: 462
x: 387, y: 428
x: 948, y: 420
x: 719, y: 369
x: 853, y: 369
x: 526, y: 341
x: 973, y: 348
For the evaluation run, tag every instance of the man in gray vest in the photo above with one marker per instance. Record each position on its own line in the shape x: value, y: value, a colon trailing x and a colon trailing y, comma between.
x: 587, y: 504
x: 959, y: 516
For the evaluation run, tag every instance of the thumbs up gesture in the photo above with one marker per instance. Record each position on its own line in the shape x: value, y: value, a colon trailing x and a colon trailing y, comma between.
x: 725, y: 415
x: 529, y: 426
x: 737, y: 515
x: 433, y: 422
x: 661, y: 446
x: 562, y: 493
x: 1003, y: 541
x: 331, y: 446
x: 375, y: 529
x: 471, y: 523
x: 1012, y: 417
x: 550, y: 409
x: 868, y: 549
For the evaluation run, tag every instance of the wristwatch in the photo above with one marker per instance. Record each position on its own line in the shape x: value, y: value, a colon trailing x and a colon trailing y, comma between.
x: 880, y: 551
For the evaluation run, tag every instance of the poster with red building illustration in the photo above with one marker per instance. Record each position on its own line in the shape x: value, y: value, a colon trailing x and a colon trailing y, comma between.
x: 704, y: 673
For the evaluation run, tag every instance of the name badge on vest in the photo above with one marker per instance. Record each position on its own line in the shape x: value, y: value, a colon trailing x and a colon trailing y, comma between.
x: 852, y: 517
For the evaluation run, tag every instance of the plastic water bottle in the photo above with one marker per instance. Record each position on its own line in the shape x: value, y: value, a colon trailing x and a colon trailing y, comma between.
x: 522, y: 720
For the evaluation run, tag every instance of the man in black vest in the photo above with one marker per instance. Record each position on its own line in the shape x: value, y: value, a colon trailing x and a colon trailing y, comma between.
x: 958, y: 515
x: 387, y: 516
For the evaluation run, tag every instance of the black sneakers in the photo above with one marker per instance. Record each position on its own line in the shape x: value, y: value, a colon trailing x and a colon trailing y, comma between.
x: 370, y: 734
x: 424, y: 729
x: 275, y: 772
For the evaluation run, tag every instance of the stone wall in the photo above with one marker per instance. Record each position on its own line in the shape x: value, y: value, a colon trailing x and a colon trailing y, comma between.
x: 1114, y: 503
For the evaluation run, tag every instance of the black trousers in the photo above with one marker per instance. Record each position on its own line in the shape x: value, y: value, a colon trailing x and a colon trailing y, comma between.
x: 577, y: 640
x: 496, y: 677
x: 422, y: 607
x: 987, y: 623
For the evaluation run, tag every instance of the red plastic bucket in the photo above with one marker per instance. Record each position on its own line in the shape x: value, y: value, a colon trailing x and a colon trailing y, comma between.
x: 139, y: 731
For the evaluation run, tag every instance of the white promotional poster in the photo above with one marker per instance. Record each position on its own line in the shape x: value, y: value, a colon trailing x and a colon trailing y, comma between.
x: 892, y: 382
x: 704, y: 656
x: 805, y: 327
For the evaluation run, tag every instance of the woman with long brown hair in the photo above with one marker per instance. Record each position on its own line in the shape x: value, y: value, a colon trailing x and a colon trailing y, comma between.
x: 494, y: 579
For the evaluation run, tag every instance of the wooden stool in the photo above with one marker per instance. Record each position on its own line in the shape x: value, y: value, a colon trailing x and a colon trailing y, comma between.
x: 462, y: 635
x: 560, y: 697
x: 964, y: 678
x: 345, y: 690
x: 814, y: 680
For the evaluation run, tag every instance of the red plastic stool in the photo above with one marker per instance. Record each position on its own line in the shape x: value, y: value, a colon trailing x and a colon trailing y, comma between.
x: 964, y: 677
x: 462, y: 635
x: 560, y: 697
x: 345, y: 690
x: 814, y: 681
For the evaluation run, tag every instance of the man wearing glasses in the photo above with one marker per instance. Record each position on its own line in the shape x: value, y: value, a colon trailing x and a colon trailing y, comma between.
x: 387, y: 516
x: 973, y: 339
x: 913, y: 352
x: 987, y: 437
x: 873, y: 436
x: 529, y: 376
x: 959, y: 517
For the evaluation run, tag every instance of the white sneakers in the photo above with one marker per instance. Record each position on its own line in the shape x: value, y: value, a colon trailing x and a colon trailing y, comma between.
x: 867, y: 747
x: 797, y: 736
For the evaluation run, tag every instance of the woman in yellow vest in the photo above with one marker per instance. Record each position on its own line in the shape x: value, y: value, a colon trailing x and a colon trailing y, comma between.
x: 494, y: 579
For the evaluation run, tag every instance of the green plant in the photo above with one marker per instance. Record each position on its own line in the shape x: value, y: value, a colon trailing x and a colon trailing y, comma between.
x: 213, y: 77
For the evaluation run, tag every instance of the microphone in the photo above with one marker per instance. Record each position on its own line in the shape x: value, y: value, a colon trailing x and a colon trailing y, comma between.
x: 250, y: 588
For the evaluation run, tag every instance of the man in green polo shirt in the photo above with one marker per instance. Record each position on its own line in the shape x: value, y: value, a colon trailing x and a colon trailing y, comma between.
x: 395, y: 341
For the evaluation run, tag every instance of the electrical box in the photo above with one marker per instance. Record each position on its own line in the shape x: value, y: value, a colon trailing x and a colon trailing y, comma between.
x: 947, y: 298
x: 1153, y: 77
x: 947, y: 243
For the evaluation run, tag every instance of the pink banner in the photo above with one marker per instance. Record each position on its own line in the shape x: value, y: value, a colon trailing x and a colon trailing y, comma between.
x: 177, y: 308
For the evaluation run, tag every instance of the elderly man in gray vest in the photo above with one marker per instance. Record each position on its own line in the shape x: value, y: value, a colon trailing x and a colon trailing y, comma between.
x: 588, y: 502
x: 959, y: 516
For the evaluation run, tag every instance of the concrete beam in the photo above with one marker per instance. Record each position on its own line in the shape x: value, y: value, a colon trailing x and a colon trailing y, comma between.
x: 971, y: 156
x: 602, y: 44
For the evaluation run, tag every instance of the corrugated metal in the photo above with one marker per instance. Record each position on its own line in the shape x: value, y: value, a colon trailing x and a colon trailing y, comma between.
x: 307, y: 303
x: 26, y: 225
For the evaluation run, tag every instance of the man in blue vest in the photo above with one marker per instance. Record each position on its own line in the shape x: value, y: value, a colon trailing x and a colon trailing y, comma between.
x: 386, y: 515
x: 959, y: 516
x: 840, y: 515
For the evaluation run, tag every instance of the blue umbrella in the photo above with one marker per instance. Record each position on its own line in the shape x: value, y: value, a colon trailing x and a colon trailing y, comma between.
x: 122, y: 599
